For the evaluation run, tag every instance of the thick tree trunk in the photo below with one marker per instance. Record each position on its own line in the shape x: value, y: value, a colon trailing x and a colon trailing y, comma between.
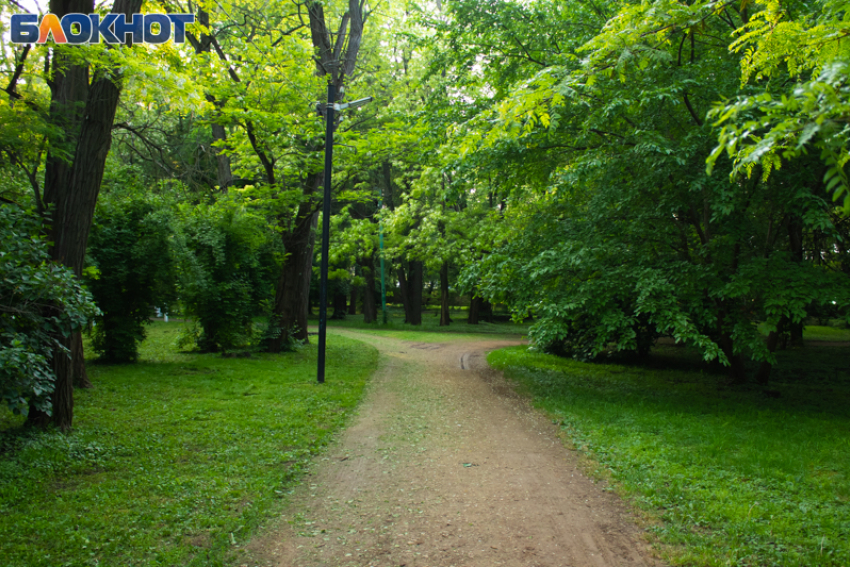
x: 485, y: 312
x: 763, y: 374
x: 72, y: 188
x: 479, y: 309
x: 339, y: 306
x: 68, y: 94
x: 292, y: 296
x: 293, y: 289
x: 445, y: 316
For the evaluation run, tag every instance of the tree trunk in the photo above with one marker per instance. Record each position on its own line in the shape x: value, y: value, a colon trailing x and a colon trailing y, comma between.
x: 763, y: 374
x: 293, y: 290
x: 292, y: 296
x: 224, y: 174
x: 81, y: 377
x: 474, y: 309
x: 414, y: 291
x: 63, y: 392
x: 69, y: 86
x: 737, y: 372
x: 404, y: 290
x: 795, y: 237
x: 370, y: 309
x: 72, y: 188
x: 485, y: 312
x: 445, y: 316
x: 339, y: 306
x: 479, y: 309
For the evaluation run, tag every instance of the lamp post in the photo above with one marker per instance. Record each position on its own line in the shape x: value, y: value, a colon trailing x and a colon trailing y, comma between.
x: 326, y: 219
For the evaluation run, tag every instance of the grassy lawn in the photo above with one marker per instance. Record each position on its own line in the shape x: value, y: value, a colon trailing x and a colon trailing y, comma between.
x: 458, y: 330
x: 727, y: 477
x: 821, y: 333
x: 175, y: 460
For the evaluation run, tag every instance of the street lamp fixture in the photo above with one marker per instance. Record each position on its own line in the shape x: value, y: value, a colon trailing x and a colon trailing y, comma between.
x: 326, y: 218
x: 353, y: 104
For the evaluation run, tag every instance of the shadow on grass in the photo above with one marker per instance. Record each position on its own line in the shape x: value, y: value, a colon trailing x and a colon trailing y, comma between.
x: 813, y: 379
x: 735, y: 475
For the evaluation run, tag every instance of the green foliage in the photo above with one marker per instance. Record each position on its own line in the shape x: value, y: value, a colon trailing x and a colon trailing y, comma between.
x: 179, y: 459
x: 40, y: 303
x: 734, y: 477
x: 229, y: 267
x: 131, y: 255
x: 794, y: 55
x: 609, y: 230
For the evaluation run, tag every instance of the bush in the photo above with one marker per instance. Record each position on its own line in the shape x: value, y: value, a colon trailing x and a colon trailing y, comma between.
x: 135, y: 272
x: 229, y: 267
x: 40, y: 302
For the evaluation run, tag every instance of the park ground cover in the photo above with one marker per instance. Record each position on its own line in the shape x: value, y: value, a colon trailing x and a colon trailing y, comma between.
x: 724, y: 476
x: 174, y: 460
x: 430, y: 327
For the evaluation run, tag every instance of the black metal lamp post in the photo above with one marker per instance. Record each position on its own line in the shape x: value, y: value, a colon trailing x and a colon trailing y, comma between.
x: 326, y: 219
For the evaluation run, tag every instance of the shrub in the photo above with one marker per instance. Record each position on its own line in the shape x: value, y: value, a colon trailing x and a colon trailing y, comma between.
x: 229, y: 265
x: 40, y: 302
x: 130, y: 248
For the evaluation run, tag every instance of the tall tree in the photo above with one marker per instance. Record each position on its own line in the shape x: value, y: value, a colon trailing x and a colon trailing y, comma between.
x: 336, y: 59
x: 612, y: 232
x: 85, y: 112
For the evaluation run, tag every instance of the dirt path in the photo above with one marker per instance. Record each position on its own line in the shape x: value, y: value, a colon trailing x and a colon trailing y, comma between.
x: 444, y: 466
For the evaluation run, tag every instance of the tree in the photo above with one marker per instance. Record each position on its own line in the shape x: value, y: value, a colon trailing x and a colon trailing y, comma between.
x: 256, y: 75
x: 612, y: 234
x: 793, y: 50
x: 335, y: 59
x: 82, y: 113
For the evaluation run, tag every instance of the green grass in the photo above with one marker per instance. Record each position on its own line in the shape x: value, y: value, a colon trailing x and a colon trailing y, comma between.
x: 430, y: 329
x: 818, y: 333
x: 821, y: 333
x: 175, y: 460
x: 727, y: 476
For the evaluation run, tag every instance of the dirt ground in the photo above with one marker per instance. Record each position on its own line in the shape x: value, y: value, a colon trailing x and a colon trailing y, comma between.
x: 445, y: 466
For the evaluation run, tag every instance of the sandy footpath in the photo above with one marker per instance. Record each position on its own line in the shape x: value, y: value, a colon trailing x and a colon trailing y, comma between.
x: 445, y: 466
